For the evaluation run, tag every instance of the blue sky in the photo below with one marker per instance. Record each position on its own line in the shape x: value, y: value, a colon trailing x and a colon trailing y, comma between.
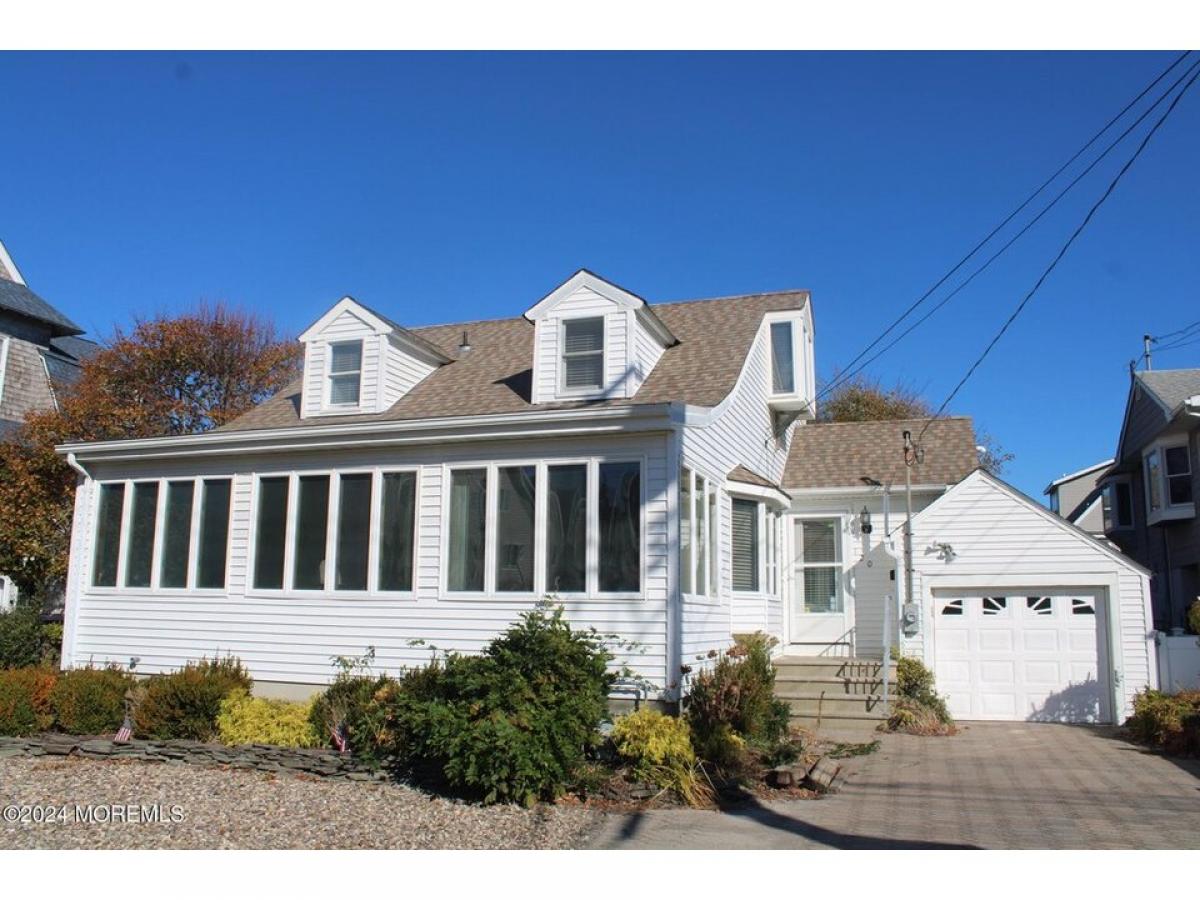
x: 441, y: 188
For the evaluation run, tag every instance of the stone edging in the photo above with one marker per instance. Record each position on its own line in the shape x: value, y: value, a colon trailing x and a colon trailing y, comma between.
x: 257, y: 757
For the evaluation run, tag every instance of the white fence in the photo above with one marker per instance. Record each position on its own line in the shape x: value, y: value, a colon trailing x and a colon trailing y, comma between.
x: 1178, y: 662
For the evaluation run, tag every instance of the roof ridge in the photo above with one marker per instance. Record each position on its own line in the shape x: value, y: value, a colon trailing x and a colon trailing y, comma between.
x: 891, y: 421
x: 805, y: 291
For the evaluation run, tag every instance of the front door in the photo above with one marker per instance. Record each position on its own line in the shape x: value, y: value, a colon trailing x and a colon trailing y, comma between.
x: 818, y: 625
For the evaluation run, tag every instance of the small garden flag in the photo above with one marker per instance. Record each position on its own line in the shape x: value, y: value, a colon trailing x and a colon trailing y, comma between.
x: 125, y: 732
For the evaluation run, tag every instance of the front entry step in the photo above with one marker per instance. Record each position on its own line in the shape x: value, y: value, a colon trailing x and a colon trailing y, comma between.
x: 834, y: 696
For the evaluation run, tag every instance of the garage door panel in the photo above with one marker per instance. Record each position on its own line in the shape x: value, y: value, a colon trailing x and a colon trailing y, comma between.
x: 1027, y: 656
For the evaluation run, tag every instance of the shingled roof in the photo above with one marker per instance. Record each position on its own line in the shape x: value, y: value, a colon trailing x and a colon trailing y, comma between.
x: 16, y: 297
x: 495, y: 375
x: 842, y: 454
x: 1171, y: 386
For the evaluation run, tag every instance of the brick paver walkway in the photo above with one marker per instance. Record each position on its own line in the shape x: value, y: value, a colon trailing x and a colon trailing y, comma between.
x: 994, y: 785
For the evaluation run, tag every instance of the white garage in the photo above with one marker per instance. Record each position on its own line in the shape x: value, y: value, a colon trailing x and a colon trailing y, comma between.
x: 1023, y: 616
x: 1036, y: 655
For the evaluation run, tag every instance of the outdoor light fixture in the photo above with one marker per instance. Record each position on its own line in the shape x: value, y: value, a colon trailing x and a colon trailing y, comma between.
x: 864, y: 521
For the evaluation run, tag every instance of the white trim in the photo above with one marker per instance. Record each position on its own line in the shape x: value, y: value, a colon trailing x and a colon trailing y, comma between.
x: 609, y: 291
x: 10, y: 265
x: 775, y: 497
x: 327, y: 404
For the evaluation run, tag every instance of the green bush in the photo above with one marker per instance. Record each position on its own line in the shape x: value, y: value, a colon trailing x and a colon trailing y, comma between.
x: 90, y: 701
x: 733, y: 705
x: 1170, y: 722
x: 658, y: 749
x: 511, y: 725
x: 256, y: 720
x: 25, y: 701
x: 349, y: 705
x: 915, y: 684
x: 1193, y: 618
x: 23, y: 641
x: 186, y: 703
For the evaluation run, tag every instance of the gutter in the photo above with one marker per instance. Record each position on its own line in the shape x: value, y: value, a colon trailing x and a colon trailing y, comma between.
x: 553, y: 423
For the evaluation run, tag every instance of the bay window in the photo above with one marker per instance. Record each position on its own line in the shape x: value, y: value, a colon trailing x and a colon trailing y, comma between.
x: 1167, y: 471
x: 150, y: 541
x: 698, y: 535
x: 620, y: 502
x: 516, y: 522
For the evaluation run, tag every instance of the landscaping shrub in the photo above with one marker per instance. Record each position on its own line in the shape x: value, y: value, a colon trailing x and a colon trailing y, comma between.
x: 512, y: 724
x: 918, y: 707
x: 658, y: 749
x: 25, y: 701
x: 23, y: 639
x: 349, y: 706
x: 733, y: 705
x: 186, y: 703
x: 1170, y: 722
x: 256, y: 720
x: 90, y: 701
x: 1193, y: 618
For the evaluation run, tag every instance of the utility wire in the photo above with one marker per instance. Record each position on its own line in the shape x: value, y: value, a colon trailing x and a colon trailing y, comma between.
x: 1182, y: 342
x: 851, y: 372
x: 1187, y: 329
x: 1061, y: 253
x: 837, y: 381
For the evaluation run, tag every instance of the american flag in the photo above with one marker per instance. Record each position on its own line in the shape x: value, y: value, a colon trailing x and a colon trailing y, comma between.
x: 339, y: 738
x: 125, y: 733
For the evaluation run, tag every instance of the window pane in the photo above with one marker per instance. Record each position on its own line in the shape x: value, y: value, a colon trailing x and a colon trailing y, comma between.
x: 354, y: 529
x: 141, y: 534
x: 1179, y: 489
x: 821, y: 590
x: 346, y: 357
x: 397, y: 522
x: 583, y: 335
x: 584, y: 371
x: 1154, y: 480
x: 177, y: 535
x: 343, y: 388
x: 270, y: 532
x: 686, y: 509
x: 566, y: 529
x: 745, y: 545
x: 714, y: 574
x: 514, y: 527
x: 312, y: 524
x: 108, y: 535
x: 214, y: 535
x: 820, y: 541
x: 468, y: 505
x: 1124, y: 504
x: 1177, y: 460
x: 701, y: 538
x: 620, y: 526
x: 783, y: 367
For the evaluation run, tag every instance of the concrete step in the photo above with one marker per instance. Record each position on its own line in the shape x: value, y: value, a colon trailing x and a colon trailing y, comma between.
x: 830, y: 667
x: 786, y: 682
x: 821, y: 704
x: 847, y: 730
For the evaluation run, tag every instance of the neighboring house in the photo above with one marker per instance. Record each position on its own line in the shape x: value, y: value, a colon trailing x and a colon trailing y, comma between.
x: 1080, y: 499
x: 654, y: 467
x: 40, y: 353
x: 1153, y: 485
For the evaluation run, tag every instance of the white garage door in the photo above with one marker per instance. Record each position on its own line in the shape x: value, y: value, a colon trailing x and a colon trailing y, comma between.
x: 1036, y: 656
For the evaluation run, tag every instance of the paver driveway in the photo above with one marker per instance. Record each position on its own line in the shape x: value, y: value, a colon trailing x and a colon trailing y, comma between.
x: 994, y: 785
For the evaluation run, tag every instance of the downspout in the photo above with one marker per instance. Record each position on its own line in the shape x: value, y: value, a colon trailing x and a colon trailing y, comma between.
x: 73, y: 462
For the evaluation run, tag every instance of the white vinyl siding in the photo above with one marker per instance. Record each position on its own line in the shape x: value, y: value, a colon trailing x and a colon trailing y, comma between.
x: 287, y: 635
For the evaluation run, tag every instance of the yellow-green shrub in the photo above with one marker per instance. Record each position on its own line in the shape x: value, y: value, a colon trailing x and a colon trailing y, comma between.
x: 256, y: 720
x: 658, y: 749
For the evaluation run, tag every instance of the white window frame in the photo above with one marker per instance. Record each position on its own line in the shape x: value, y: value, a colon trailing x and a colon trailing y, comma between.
x: 561, y: 362
x: 541, y: 495
x: 1168, y: 510
x: 156, y: 588
x: 5, y: 340
x: 759, y: 549
x: 840, y: 564
x: 796, y: 380
x: 330, y: 374
x: 289, y: 591
x: 711, y: 502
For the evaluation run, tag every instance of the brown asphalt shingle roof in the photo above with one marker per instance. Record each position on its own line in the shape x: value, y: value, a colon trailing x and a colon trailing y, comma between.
x: 746, y: 476
x: 840, y: 454
x: 495, y: 375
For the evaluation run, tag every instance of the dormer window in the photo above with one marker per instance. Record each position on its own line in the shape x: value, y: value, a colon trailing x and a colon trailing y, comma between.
x: 583, y: 354
x: 345, y: 373
x: 783, y: 358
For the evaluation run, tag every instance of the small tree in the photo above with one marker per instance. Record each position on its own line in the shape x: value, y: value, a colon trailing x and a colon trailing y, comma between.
x: 168, y: 375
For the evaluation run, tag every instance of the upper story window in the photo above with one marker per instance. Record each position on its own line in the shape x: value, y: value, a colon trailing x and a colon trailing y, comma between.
x: 1117, y: 503
x: 583, y: 354
x: 1167, y: 470
x: 783, y: 358
x: 345, y: 373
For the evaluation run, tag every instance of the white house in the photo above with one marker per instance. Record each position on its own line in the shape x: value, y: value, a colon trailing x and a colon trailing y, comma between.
x: 648, y: 465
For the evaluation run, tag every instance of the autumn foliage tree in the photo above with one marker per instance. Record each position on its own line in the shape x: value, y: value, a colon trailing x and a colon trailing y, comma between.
x: 167, y: 375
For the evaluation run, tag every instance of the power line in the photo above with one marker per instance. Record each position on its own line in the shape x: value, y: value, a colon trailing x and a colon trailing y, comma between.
x: 1181, y: 331
x: 1061, y: 253
x: 851, y: 372
x: 1179, y: 344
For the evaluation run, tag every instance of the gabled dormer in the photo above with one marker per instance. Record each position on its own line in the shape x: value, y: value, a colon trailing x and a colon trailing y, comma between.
x: 357, y: 361
x: 593, y: 340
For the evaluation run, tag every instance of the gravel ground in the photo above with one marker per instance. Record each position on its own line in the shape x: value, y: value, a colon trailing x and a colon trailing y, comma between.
x: 236, y: 809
